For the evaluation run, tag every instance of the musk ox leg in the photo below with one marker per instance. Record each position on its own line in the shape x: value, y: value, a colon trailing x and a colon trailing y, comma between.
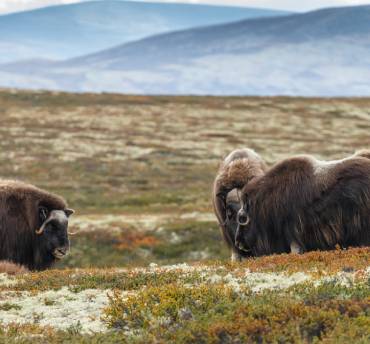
x: 295, y: 248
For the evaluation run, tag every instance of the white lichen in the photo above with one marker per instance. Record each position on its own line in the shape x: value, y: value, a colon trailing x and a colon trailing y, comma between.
x: 6, y: 280
x: 61, y: 309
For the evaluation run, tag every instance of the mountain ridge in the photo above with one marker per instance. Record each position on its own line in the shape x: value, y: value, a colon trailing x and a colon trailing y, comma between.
x: 319, y: 53
x: 65, y: 31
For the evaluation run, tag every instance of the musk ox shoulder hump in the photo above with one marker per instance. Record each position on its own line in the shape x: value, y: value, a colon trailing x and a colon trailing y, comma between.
x: 364, y: 153
x: 23, y: 190
x: 321, y: 166
x: 327, y: 171
x: 295, y: 165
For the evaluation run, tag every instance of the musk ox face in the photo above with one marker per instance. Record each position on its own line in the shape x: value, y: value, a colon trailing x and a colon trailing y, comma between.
x: 244, y: 233
x: 231, y: 220
x: 53, y: 231
x: 33, y: 225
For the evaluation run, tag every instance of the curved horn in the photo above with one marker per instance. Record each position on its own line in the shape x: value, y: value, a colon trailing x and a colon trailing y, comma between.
x: 41, y: 229
x: 56, y: 215
x: 69, y: 212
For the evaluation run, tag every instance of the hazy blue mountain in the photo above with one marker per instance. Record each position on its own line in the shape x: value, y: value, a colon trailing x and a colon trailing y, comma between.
x: 242, y: 37
x: 320, y: 53
x: 65, y: 31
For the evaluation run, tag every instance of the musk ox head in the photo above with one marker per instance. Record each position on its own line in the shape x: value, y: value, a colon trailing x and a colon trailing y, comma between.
x: 53, y: 231
x: 33, y: 226
x: 238, y: 169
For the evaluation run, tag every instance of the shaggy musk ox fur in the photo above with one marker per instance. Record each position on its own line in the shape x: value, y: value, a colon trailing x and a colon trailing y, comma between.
x: 33, y: 225
x: 236, y: 170
x: 299, y: 204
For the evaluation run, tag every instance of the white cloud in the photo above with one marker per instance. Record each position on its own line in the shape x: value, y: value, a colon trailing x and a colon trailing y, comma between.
x: 7, y: 6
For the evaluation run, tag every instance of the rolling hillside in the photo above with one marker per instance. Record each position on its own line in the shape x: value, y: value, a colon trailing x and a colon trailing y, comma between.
x: 65, y: 31
x: 320, y: 53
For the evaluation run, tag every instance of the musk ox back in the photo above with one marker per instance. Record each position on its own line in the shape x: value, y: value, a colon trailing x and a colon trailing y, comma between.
x: 33, y: 225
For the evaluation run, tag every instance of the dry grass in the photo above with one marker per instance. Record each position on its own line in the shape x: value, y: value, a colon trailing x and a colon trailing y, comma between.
x: 111, y: 153
x: 131, y: 163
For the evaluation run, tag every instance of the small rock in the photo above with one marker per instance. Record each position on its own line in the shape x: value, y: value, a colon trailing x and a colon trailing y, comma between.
x: 185, y: 314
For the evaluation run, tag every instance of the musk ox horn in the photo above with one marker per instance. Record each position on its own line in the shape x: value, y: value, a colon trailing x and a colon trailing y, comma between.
x: 40, y: 231
x: 58, y: 215
x: 69, y: 212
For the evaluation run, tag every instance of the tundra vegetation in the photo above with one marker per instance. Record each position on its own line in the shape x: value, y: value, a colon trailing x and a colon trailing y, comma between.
x: 147, y: 262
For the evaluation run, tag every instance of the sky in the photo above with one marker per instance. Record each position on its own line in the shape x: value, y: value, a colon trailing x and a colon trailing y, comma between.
x: 8, y: 6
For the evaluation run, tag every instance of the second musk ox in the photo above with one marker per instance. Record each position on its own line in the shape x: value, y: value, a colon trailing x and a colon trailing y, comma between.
x: 236, y: 170
x: 299, y: 204
x: 33, y: 225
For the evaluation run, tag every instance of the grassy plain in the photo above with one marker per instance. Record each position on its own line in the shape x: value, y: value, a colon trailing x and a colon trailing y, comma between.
x: 138, y: 170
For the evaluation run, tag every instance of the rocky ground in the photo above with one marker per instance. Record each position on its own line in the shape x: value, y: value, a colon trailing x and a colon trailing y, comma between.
x: 147, y: 262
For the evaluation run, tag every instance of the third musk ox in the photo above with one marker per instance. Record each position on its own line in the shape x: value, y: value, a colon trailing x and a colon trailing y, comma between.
x: 33, y: 225
x: 236, y: 170
x: 299, y: 204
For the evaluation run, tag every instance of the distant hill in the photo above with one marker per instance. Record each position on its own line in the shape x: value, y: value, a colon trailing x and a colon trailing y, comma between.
x: 325, y: 52
x: 65, y: 31
x: 248, y: 36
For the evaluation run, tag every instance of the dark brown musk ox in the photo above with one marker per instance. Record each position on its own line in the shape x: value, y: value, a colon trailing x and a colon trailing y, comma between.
x: 33, y: 225
x: 300, y: 204
x: 238, y: 168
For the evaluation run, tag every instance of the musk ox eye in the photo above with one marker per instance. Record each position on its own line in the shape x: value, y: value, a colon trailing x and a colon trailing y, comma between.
x: 43, y: 214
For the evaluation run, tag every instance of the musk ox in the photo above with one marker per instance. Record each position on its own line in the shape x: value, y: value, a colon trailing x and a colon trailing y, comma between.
x: 33, y: 225
x: 236, y: 170
x: 299, y: 204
